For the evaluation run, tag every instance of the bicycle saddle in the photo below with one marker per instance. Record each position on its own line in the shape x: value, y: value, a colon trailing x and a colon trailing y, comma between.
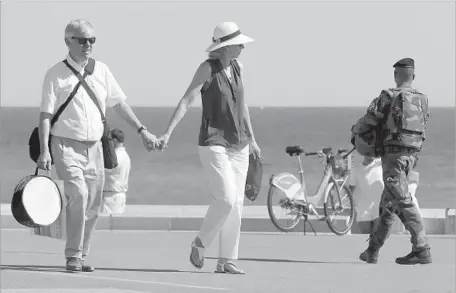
x: 326, y: 151
x: 294, y: 150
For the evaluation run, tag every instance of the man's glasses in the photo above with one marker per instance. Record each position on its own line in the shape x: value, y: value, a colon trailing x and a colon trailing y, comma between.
x: 83, y: 41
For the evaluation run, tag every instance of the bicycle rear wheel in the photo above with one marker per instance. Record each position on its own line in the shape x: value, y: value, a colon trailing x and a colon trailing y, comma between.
x: 284, y: 213
x: 339, y: 214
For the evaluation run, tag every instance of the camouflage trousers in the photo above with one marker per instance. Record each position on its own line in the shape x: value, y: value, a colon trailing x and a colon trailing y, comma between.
x: 397, y: 200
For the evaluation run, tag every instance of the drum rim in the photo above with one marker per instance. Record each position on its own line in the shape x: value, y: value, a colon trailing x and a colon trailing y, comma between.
x: 58, y: 191
x: 24, y: 208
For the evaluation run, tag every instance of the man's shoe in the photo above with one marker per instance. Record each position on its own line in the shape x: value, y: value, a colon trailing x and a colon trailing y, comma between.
x: 370, y: 255
x: 87, y: 268
x: 73, y: 264
x: 416, y: 257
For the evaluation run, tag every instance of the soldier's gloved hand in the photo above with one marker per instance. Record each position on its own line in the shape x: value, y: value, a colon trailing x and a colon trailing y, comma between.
x: 352, y: 139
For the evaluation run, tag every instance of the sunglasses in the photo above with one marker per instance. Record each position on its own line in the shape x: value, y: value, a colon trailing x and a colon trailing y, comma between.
x: 83, y: 41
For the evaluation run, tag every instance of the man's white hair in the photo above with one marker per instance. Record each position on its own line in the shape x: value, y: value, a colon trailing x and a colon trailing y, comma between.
x: 77, y: 24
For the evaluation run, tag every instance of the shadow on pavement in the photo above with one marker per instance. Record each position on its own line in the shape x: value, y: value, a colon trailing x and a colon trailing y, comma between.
x: 61, y: 269
x: 275, y: 260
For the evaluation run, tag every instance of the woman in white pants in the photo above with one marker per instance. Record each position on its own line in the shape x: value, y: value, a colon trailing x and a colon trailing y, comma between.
x: 225, y: 138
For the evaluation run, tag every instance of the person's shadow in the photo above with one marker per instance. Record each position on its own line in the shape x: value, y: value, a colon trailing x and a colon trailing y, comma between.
x: 61, y: 269
x: 275, y: 260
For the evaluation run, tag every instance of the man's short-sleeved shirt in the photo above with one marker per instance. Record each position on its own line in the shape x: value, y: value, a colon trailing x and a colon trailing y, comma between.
x: 116, y: 180
x: 81, y: 119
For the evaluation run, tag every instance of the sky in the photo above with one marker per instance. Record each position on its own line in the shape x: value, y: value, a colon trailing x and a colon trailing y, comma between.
x: 307, y: 53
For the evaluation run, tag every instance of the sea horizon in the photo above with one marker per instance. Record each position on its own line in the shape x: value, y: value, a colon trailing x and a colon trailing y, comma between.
x: 175, y: 176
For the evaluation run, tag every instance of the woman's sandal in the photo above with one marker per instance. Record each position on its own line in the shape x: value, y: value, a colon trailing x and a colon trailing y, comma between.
x: 228, y: 268
x: 197, y: 254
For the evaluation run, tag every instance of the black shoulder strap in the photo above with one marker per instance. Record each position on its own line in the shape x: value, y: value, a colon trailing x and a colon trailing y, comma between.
x: 392, y: 93
x: 88, y: 70
x: 68, y: 100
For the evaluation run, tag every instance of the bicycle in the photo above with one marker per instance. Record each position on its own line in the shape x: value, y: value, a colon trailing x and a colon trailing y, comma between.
x: 336, y: 173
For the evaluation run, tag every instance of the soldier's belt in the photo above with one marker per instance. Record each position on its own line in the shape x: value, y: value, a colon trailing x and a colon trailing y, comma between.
x: 393, y: 149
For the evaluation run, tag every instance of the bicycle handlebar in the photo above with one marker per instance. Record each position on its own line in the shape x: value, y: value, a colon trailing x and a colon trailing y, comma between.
x: 321, y: 153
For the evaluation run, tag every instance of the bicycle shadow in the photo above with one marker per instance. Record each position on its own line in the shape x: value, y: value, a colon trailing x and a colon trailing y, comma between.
x: 276, y: 260
x: 61, y: 269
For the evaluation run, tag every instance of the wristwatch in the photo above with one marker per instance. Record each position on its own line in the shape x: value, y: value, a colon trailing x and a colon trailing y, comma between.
x: 141, y: 128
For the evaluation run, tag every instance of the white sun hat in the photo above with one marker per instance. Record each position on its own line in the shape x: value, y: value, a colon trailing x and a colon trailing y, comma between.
x: 226, y: 34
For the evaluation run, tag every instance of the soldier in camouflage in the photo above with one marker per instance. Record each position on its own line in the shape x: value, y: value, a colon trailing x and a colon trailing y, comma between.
x: 400, y: 114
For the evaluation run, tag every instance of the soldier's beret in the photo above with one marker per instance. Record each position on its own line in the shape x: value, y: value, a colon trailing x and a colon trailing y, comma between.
x: 405, y: 63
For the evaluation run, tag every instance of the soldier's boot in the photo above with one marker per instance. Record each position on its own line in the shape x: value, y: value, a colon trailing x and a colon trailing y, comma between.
x: 416, y: 257
x: 370, y: 255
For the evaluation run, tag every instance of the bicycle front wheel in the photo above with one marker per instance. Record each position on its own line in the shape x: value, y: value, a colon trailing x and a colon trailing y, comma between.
x: 339, y: 209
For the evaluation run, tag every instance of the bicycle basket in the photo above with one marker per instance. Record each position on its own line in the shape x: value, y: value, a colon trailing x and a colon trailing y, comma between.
x: 339, y: 166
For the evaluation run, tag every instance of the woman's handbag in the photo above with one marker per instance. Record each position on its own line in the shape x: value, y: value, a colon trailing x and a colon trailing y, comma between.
x: 254, y: 178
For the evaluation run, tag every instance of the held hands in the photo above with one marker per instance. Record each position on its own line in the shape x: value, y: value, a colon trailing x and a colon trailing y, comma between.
x: 44, y: 162
x: 150, y: 141
x: 163, y: 141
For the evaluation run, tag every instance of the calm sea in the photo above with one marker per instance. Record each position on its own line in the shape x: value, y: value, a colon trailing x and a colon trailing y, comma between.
x: 175, y: 177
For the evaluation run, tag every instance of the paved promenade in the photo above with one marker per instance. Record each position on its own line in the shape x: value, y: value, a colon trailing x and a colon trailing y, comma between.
x: 138, y: 262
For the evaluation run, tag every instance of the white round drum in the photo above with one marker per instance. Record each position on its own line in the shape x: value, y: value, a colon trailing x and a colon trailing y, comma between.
x: 36, y: 201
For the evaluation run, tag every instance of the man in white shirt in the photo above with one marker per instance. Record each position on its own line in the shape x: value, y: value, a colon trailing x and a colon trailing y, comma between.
x: 367, y: 184
x: 116, y: 179
x: 75, y: 145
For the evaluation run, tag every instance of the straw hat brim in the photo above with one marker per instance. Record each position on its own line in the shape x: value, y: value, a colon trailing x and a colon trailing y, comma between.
x: 238, y: 40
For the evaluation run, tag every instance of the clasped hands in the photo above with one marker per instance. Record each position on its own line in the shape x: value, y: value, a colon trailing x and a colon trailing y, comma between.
x: 152, y: 143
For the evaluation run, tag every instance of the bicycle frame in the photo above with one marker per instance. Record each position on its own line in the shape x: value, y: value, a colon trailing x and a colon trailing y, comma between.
x: 323, y: 187
x: 327, y: 177
x: 296, y: 201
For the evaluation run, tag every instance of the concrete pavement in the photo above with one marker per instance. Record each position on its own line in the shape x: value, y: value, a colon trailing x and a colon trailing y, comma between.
x: 144, y: 261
